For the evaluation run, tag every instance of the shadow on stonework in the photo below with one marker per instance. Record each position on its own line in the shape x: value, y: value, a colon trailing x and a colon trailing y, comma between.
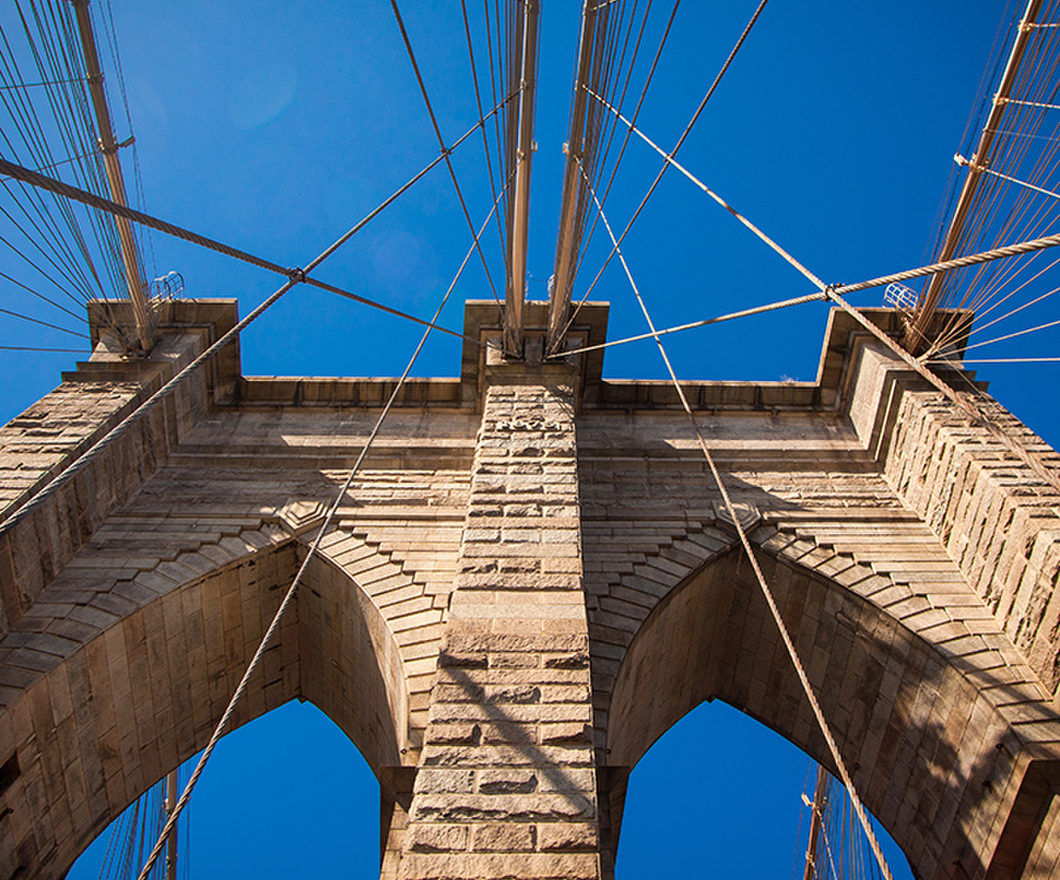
x: 79, y: 769
x: 537, y: 757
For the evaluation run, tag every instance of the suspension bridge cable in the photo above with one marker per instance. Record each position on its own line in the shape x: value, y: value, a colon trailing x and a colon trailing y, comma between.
x: 237, y: 696
x: 774, y: 610
x: 626, y: 138
x: 1022, y: 360
x: 981, y: 327
x: 50, y: 184
x: 952, y: 336
x: 670, y: 160
x: 42, y: 323
x: 1012, y: 335
x: 835, y: 293
x: 194, y: 238
x: 485, y: 136
x: 757, y: 310
x: 441, y: 143
x: 680, y: 141
x: 59, y: 187
x: 300, y: 275
x: 41, y: 296
x: 1023, y: 247
x: 74, y: 468
x: 46, y: 350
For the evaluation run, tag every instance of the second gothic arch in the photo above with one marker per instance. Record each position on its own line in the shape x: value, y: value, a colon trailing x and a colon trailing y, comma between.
x: 908, y: 714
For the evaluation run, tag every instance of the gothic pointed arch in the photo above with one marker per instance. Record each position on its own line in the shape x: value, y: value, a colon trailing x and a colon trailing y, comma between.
x: 934, y: 725
x: 97, y: 727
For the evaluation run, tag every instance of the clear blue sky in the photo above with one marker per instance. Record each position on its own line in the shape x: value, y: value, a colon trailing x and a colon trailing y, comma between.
x: 274, y: 128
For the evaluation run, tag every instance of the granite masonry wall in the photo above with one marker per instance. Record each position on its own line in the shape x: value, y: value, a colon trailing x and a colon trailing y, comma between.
x: 522, y: 591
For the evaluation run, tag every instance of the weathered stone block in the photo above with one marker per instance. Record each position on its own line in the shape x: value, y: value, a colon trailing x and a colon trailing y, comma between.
x: 568, y: 837
x: 507, y: 780
x: 433, y: 781
x: 432, y: 837
x: 506, y: 837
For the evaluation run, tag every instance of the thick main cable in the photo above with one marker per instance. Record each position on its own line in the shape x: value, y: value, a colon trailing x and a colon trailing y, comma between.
x: 289, y: 596
x: 774, y: 610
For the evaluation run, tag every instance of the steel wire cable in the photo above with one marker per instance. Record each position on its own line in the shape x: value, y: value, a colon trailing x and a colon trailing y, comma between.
x: 26, y: 175
x: 41, y: 323
x: 292, y: 589
x: 680, y: 141
x: 46, y: 299
x: 767, y: 594
x: 296, y: 277
x: 441, y: 144
x: 57, y: 267
x: 485, y: 136
x: 70, y: 108
x: 584, y: 243
x: 1006, y: 208
x: 597, y: 156
x: 835, y: 293
x: 28, y: 126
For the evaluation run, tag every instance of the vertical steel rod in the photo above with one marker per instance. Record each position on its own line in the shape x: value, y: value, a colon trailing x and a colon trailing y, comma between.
x: 929, y: 304
x: 515, y: 294
x: 172, y: 787
x: 109, y: 147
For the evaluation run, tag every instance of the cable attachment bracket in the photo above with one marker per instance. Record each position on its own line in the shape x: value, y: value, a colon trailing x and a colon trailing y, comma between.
x: 297, y: 275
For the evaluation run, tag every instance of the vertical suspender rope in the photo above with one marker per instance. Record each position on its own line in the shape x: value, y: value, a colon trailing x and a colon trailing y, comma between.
x: 774, y: 610
x: 218, y: 732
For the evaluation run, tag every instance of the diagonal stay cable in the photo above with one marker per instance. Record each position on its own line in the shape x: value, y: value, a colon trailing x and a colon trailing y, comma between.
x: 673, y: 152
x: 835, y: 293
x: 166, y: 390
x: 290, y: 594
x: 767, y: 593
x: 40, y: 181
x: 153, y: 222
x: 670, y: 160
x: 757, y: 310
x: 441, y: 143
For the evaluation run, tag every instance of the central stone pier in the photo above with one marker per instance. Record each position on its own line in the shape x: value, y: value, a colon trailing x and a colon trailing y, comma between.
x: 506, y: 783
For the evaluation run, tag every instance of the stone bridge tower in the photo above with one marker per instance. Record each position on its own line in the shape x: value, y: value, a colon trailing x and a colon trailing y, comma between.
x: 531, y: 580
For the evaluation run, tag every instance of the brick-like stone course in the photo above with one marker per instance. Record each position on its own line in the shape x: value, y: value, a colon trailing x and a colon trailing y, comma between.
x: 512, y: 605
x: 507, y: 763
